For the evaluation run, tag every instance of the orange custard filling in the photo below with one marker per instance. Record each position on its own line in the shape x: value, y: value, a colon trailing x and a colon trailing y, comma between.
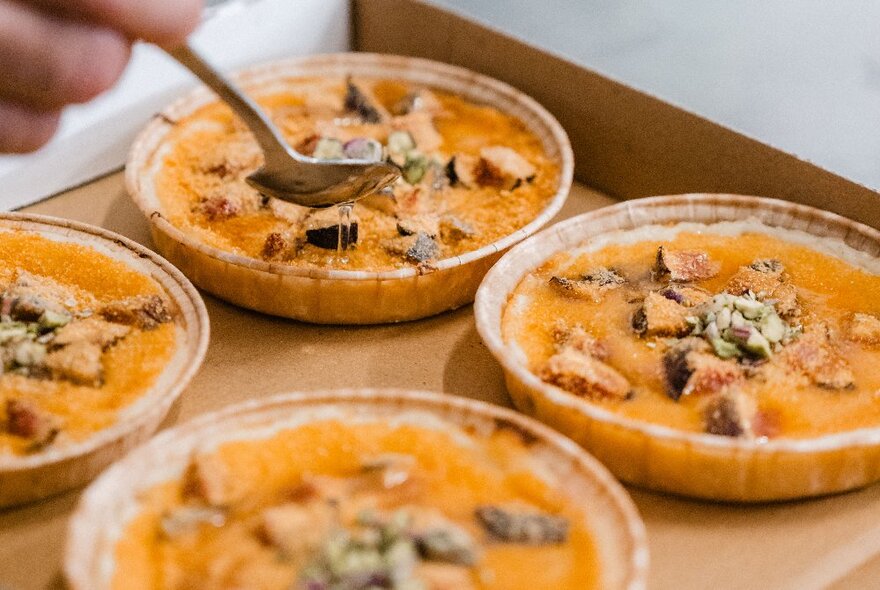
x: 330, y: 505
x: 747, y: 335
x: 75, y: 349
x: 471, y: 175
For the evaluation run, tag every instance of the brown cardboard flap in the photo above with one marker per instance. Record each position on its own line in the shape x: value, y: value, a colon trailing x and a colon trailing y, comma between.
x: 626, y: 143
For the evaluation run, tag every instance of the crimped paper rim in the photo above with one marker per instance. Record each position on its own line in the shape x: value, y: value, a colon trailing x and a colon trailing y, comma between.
x: 459, y: 80
x: 502, y: 279
x: 87, y: 547
x: 155, y: 402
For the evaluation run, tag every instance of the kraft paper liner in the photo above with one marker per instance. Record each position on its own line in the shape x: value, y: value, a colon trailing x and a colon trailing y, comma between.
x: 341, y: 296
x: 112, y: 501
x: 62, y: 467
x: 659, y: 457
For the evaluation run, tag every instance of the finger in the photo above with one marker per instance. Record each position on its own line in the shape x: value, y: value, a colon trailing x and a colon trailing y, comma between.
x: 48, y: 63
x: 25, y: 130
x: 164, y: 22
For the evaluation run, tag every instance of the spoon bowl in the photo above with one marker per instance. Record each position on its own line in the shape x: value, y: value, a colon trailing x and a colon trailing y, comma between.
x: 316, y: 184
x: 286, y: 174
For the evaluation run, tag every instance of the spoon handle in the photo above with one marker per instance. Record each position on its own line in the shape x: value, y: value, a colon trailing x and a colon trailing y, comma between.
x: 266, y: 133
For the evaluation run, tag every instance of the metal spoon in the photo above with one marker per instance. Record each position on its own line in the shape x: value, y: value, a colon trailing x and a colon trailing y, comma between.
x: 286, y: 174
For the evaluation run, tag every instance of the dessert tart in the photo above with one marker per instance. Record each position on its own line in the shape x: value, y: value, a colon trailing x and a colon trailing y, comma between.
x: 483, y: 166
x: 717, y: 346
x: 357, y: 489
x: 98, y: 337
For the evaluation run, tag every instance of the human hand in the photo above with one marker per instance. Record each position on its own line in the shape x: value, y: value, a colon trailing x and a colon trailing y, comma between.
x: 59, y: 52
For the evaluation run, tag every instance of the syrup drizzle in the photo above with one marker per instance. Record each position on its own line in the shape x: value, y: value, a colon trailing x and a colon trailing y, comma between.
x: 344, y: 233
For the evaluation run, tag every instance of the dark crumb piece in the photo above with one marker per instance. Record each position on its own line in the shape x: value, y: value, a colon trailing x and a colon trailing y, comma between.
x: 217, y: 208
x: 25, y: 419
x: 564, y: 283
x: 446, y: 543
x: 639, y: 321
x: 604, y: 277
x: 143, y: 311
x: 453, y: 229
x: 450, y: 171
x: 676, y: 369
x: 690, y: 368
x: 684, y: 266
x: 728, y: 414
x: 323, y: 228
x: 592, y: 285
x: 423, y: 249
x: 327, y: 237
x: 358, y: 102
x: 274, y: 245
x: 419, y: 248
x: 768, y: 265
x: 530, y: 528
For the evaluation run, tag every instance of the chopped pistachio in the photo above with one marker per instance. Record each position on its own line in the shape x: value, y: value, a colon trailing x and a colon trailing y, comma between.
x: 750, y: 308
x: 711, y: 331
x: 400, y: 142
x: 415, y: 167
x: 737, y: 320
x: 53, y: 319
x: 723, y: 318
x: 329, y: 149
x: 741, y: 325
x: 758, y: 345
x: 29, y: 353
x: 12, y: 331
x: 383, y: 553
x: 724, y: 349
x: 772, y: 327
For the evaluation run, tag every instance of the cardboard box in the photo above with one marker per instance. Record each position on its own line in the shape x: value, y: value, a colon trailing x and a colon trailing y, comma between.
x: 627, y: 144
